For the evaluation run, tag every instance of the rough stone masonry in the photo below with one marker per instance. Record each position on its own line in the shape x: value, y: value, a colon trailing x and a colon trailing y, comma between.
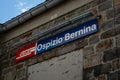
x: 101, y: 51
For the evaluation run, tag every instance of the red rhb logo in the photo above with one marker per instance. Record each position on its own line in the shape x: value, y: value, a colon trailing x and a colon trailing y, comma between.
x: 25, y: 52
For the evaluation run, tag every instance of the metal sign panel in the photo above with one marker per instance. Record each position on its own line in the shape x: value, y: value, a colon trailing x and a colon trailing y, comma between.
x: 25, y: 52
x: 67, y: 36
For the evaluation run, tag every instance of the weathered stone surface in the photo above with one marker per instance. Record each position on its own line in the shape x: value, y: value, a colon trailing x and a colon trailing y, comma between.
x: 88, y: 74
x: 110, y: 13
x: 92, y: 60
x: 0, y: 69
x: 117, y: 20
x: 117, y: 31
x: 108, y: 34
x: 97, y: 71
x: 103, y: 45
x: 25, y: 35
x: 97, y: 2
x: 82, y: 43
x: 102, y: 77
x: 49, y: 55
x: 9, y: 69
x: 88, y: 50
x: 67, y: 48
x: 12, y: 52
x: 39, y: 58
x: 111, y: 54
x: 118, y: 51
x: 106, y: 5
x: 83, y: 8
x: 117, y: 2
x: 9, y: 73
x: 4, y: 57
x: 94, y: 39
x: 12, y: 61
x: 20, y: 65
x: 118, y: 41
x: 59, y: 20
x: 1, y: 77
x: 114, y: 76
x: 115, y: 64
x: 117, y: 10
x: 101, y: 54
x: 20, y: 74
x: 31, y: 61
x: 107, y: 25
x: 70, y: 15
x: 5, y: 64
x: 102, y: 69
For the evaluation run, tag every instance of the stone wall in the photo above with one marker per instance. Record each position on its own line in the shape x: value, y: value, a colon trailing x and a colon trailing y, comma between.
x: 101, y: 51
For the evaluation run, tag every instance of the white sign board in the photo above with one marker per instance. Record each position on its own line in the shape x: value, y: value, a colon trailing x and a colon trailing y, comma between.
x: 66, y: 67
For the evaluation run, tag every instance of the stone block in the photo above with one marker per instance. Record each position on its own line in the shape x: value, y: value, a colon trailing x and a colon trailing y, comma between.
x: 82, y: 43
x: 94, y: 39
x: 9, y: 69
x: 71, y: 15
x: 0, y: 70
x: 117, y: 2
x: 59, y: 20
x: 104, y: 45
x: 118, y: 52
x: 117, y: 30
x: 4, y: 57
x: 67, y: 48
x: 107, y: 25
x: 5, y: 64
x: 20, y: 65
x: 92, y: 60
x: 9, y: 73
x: 88, y: 50
x: 88, y: 74
x: 115, y: 64
x: 102, y: 77
x: 105, y: 5
x: 108, y: 34
x: 110, y: 13
x: 111, y: 54
x: 31, y: 61
x: 49, y: 55
x: 117, y: 10
x: 12, y: 61
x: 1, y: 77
x: 97, y: 2
x: 27, y: 34
x: 5, y: 49
x: 12, y: 52
x: 114, y: 76
x: 23, y: 79
x: 102, y: 69
x: 20, y: 74
x: 118, y: 41
x: 50, y: 24
x: 39, y: 58
x: 117, y: 20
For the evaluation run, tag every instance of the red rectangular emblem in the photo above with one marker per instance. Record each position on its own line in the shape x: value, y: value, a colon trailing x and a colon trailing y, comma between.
x: 25, y: 52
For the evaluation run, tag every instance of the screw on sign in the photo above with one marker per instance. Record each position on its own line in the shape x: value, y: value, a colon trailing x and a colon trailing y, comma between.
x: 25, y: 52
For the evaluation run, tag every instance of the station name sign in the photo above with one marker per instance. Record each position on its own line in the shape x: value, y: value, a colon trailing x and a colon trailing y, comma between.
x: 70, y: 35
x: 67, y: 36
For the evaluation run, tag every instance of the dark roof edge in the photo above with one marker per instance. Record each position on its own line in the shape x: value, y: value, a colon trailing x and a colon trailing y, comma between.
x: 28, y: 14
